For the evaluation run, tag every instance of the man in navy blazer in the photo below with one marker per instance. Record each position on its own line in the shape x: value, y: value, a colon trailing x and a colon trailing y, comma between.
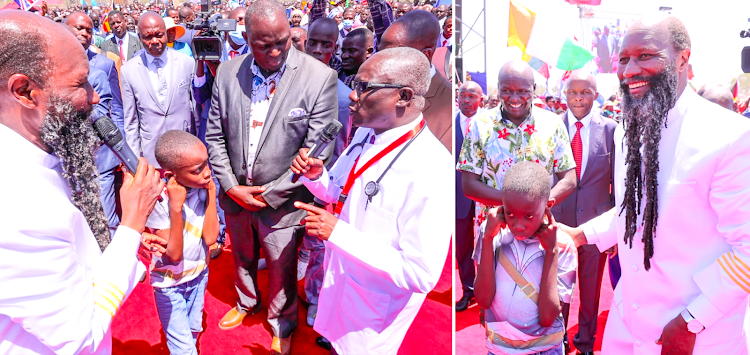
x: 106, y: 82
x: 593, y: 196
x: 469, y: 99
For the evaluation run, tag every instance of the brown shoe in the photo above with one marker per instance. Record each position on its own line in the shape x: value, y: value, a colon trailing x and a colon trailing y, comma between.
x: 232, y: 319
x: 281, y: 346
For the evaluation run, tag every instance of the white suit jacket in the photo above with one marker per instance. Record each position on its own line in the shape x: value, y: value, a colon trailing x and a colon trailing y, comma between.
x: 58, y: 291
x: 702, y: 245
x: 384, y: 257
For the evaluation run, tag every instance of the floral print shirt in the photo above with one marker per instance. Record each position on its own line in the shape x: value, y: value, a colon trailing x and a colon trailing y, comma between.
x: 493, y: 144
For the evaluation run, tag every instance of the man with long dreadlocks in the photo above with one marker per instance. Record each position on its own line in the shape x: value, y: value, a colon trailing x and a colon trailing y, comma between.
x: 682, y: 207
x: 58, y: 291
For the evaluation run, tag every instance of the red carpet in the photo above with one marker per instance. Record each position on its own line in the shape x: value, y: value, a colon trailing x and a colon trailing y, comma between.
x: 136, y: 328
x: 470, y: 335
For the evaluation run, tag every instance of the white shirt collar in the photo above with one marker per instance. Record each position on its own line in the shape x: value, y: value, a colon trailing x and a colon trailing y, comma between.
x: 586, y: 120
x: 392, y: 134
x: 677, y: 112
x: 27, y: 151
x: 433, y: 71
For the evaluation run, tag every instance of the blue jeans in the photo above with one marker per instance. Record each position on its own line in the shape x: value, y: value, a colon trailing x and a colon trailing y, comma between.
x: 180, y: 311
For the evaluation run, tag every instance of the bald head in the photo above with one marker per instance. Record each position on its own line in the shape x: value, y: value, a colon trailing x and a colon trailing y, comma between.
x: 417, y: 29
x: 265, y: 12
x: 470, y: 86
x: 666, y: 28
x: 239, y: 15
x: 324, y: 27
x: 469, y: 98
x: 719, y: 95
x: 153, y: 33
x: 81, y: 26
x: 516, y: 69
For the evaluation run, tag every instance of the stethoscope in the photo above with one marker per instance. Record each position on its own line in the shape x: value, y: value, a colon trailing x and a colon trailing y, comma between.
x: 372, y: 188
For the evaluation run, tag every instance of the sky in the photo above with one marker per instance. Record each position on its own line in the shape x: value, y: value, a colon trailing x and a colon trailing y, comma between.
x: 713, y: 26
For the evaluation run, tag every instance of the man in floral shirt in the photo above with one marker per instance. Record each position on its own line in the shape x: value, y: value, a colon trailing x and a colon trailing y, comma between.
x: 511, y: 133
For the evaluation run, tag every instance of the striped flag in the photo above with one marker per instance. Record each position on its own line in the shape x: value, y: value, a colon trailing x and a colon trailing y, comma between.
x: 24, y: 5
x: 538, y: 35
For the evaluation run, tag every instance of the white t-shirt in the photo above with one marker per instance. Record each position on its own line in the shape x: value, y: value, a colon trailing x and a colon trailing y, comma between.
x: 510, y: 303
x: 165, y: 273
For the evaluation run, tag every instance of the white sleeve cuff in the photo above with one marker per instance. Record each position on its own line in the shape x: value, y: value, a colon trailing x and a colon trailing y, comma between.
x: 199, y: 81
x: 704, y: 311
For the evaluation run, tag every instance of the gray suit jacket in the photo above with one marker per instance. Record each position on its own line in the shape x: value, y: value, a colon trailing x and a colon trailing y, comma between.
x: 592, y: 197
x: 307, y: 84
x: 134, y: 45
x: 145, y: 118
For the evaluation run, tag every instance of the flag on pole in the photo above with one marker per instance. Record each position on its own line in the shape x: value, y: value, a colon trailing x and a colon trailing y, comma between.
x: 479, y: 78
x: 24, y: 5
x: 538, y: 35
x: 584, y: 2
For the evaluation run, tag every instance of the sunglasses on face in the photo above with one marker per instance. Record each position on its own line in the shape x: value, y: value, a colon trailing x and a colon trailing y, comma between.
x: 364, y: 86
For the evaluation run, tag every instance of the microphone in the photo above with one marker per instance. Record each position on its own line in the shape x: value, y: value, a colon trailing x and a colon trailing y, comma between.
x: 111, y: 136
x: 328, y: 135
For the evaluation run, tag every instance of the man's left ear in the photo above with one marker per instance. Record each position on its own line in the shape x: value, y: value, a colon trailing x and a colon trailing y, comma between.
x: 405, y: 97
x: 369, y: 52
x: 551, y: 202
x: 682, y: 60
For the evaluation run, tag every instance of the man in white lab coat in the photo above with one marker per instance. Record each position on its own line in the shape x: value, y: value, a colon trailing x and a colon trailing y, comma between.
x: 386, y: 249
x: 58, y: 291
x: 684, y: 238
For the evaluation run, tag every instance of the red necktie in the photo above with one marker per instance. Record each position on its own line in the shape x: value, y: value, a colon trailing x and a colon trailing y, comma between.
x: 122, y: 54
x: 577, y: 148
x: 444, y: 42
x: 232, y: 54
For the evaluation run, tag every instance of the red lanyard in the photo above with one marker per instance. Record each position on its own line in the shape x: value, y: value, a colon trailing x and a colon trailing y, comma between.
x: 354, y: 175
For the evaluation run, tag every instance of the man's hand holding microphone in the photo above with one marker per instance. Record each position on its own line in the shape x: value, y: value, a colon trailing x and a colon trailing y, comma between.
x: 319, y: 222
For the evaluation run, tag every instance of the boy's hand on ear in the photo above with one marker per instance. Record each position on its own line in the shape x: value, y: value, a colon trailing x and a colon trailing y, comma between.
x: 495, y: 222
x: 547, y: 232
x: 176, y: 193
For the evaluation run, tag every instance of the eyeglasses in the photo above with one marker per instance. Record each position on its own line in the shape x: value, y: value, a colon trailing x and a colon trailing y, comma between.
x: 364, y: 86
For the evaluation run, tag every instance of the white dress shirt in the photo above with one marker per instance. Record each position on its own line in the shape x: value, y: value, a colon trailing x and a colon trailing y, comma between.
x: 384, y: 256
x: 58, y: 291
x: 586, y: 120
x: 465, y: 121
x: 123, y: 42
x: 153, y: 75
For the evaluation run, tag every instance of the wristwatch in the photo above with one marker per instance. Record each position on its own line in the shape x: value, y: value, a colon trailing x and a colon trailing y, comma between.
x: 693, y: 325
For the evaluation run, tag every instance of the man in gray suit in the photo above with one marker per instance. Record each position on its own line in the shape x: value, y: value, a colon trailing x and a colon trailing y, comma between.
x: 122, y: 43
x: 265, y: 106
x: 157, y: 90
x: 591, y: 137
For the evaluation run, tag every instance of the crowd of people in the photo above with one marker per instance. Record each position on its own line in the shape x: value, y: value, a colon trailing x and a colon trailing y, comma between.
x: 220, y: 142
x: 537, y: 178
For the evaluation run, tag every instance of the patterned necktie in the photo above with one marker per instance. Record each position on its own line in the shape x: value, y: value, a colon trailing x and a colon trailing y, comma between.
x: 162, y: 91
x: 122, y: 53
x: 577, y: 146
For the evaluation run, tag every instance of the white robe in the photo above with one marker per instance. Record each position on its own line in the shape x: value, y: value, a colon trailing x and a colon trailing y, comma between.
x: 704, y: 216
x: 384, y: 257
x: 58, y: 292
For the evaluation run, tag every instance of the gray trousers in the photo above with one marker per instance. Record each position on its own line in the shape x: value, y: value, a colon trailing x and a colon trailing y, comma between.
x: 590, y: 272
x: 248, y: 235
x: 464, y: 248
x: 314, y: 274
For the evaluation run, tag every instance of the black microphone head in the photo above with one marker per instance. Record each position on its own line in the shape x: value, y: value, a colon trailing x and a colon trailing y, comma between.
x: 331, y: 130
x: 107, y: 131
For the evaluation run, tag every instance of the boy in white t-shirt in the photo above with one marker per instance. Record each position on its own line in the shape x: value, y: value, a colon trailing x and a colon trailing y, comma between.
x: 188, y: 221
x: 526, y: 267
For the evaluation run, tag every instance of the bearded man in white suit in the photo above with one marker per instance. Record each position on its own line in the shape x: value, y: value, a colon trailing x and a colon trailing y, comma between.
x: 682, y: 207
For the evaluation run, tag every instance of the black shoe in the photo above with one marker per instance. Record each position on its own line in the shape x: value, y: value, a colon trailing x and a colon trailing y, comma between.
x: 215, y: 250
x: 464, y: 302
x: 566, y: 343
x: 323, y: 343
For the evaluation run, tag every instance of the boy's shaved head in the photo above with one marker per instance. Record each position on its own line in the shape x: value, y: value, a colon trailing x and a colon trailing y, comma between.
x: 529, y: 179
x: 172, y: 146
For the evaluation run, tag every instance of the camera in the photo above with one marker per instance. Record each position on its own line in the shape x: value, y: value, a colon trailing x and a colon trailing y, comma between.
x: 208, y: 45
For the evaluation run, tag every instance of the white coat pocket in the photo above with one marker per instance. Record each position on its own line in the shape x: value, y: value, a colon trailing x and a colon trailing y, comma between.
x: 370, y: 307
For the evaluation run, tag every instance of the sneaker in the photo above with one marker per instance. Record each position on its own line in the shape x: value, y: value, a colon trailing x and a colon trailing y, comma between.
x: 312, y: 311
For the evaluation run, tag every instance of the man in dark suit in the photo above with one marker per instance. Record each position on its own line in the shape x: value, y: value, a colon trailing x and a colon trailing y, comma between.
x: 420, y: 30
x: 265, y: 106
x: 469, y: 100
x: 110, y: 104
x: 121, y: 43
x: 592, y: 142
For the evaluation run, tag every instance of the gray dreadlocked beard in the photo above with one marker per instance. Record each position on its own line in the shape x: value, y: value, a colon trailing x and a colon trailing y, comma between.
x: 642, y: 120
x: 70, y: 135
